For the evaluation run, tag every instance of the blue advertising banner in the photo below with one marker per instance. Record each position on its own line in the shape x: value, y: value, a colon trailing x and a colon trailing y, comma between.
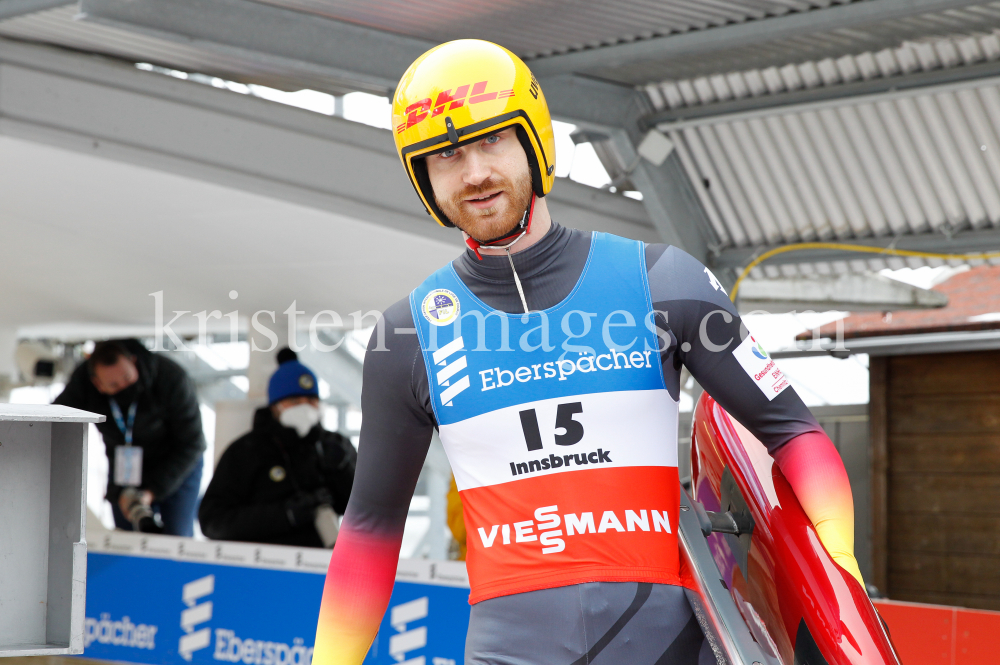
x: 164, y: 611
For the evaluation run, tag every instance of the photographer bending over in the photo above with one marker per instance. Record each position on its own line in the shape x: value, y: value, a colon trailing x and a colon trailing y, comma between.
x: 153, y: 434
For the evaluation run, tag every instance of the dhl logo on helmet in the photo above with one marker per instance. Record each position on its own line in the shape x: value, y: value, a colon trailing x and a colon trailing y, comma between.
x: 418, y: 111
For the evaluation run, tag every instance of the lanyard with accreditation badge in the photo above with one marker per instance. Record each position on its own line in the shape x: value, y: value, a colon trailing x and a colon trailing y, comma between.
x: 128, y: 458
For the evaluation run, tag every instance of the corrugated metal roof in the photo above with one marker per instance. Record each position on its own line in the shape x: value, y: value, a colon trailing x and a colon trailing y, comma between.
x: 866, y: 168
x: 533, y: 29
x: 814, y: 46
x: 905, y: 163
x: 910, y: 57
x: 56, y: 26
x: 530, y: 29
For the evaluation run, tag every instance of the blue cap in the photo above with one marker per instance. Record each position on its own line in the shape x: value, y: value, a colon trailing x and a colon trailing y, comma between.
x: 291, y: 379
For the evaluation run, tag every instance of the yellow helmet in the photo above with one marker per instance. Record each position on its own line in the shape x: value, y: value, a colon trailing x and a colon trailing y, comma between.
x: 460, y: 91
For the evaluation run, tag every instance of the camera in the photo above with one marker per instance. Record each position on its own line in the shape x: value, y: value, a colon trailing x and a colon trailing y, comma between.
x: 139, y: 514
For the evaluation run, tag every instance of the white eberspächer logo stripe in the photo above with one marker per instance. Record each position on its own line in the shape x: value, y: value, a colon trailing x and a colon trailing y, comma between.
x: 445, y: 374
x: 451, y: 347
x: 451, y: 370
x: 193, y: 640
x: 449, y: 393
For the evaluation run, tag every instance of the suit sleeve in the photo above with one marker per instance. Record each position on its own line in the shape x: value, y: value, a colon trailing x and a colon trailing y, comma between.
x: 701, y: 329
x: 340, y: 467
x: 395, y: 435
x: 813, y: 468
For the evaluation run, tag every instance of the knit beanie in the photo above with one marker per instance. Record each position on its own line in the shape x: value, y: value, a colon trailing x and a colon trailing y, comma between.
x: 291, y: 379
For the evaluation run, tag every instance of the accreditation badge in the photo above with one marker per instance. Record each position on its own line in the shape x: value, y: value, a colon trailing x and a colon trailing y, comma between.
x: 128, y: 466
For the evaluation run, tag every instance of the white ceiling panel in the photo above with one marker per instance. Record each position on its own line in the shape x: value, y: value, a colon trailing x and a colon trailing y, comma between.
x: 87, y: 240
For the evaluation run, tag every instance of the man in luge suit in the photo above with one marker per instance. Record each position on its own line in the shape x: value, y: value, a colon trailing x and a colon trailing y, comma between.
x: 549, y: 361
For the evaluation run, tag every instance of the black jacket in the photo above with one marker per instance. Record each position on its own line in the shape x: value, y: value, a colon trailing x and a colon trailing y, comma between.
x: 265, y: 469
x: 167, y: 420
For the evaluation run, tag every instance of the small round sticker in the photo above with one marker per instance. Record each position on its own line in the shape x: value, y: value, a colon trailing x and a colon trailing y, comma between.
x: 440, y: 307
x: 306, y: 382
x: 277, y: 473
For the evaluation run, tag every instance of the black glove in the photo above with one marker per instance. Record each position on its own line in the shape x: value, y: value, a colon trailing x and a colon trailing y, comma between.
x: 323, y: 497
x: 301, y: 509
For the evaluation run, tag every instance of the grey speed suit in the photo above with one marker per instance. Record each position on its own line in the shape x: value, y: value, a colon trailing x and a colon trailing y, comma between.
x: 597, y: 622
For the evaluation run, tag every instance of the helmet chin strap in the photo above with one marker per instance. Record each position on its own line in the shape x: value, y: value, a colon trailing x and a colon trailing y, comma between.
x: 519, y: 231
x: 521, y: 228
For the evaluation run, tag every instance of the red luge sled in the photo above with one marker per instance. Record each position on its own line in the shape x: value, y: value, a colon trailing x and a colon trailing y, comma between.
x: 768, y: 590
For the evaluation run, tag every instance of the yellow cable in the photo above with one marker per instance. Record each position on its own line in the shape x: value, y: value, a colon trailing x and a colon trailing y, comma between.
x: 887, y: 251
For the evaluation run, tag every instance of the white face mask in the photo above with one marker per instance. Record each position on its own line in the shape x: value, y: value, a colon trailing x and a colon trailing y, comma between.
x: 301, y: 418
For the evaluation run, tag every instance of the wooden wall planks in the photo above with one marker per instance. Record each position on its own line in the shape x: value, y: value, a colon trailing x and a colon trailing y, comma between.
x: 878, y: 435
x: 939, y: 423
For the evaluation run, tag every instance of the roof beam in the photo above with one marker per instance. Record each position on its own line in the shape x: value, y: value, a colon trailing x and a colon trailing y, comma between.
x: 15, y: 8
x: 897, y: 345
x: 751, y: 33
x: 852, y: 292
x: 341, y: 370
x: 670, y: 201
x: 592, y: 103
x: 591, y: 209
x: 348, y: 55
x: 212, y: 385
x: 354, y: 55
x: 960, y: 242
x: 103, y: 107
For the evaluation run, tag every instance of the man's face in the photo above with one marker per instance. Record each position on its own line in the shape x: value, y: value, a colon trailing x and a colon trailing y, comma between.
x: 111, y: 379
x: 484, y: 187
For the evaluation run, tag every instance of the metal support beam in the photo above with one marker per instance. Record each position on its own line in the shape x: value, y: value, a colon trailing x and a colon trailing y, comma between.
x: 212, y: 375
x: 897, y: 345
x: 668, y: 196
x: 337, y: 367
x: 591, y: 209
x: 592, y: 103
x: 14, y: 8
x: 212, y: 385
x: 851, y: 292
x: 102, y: 108
x: 348, y: 55
x: 99, y: 107
x: 750, y: 33
x: 960, y: 242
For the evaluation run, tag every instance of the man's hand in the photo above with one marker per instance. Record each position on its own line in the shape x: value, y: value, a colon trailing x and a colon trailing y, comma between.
x: 126, y: 499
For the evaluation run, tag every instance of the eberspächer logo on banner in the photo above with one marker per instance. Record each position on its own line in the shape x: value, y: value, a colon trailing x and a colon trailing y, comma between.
x: 196, y: 613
